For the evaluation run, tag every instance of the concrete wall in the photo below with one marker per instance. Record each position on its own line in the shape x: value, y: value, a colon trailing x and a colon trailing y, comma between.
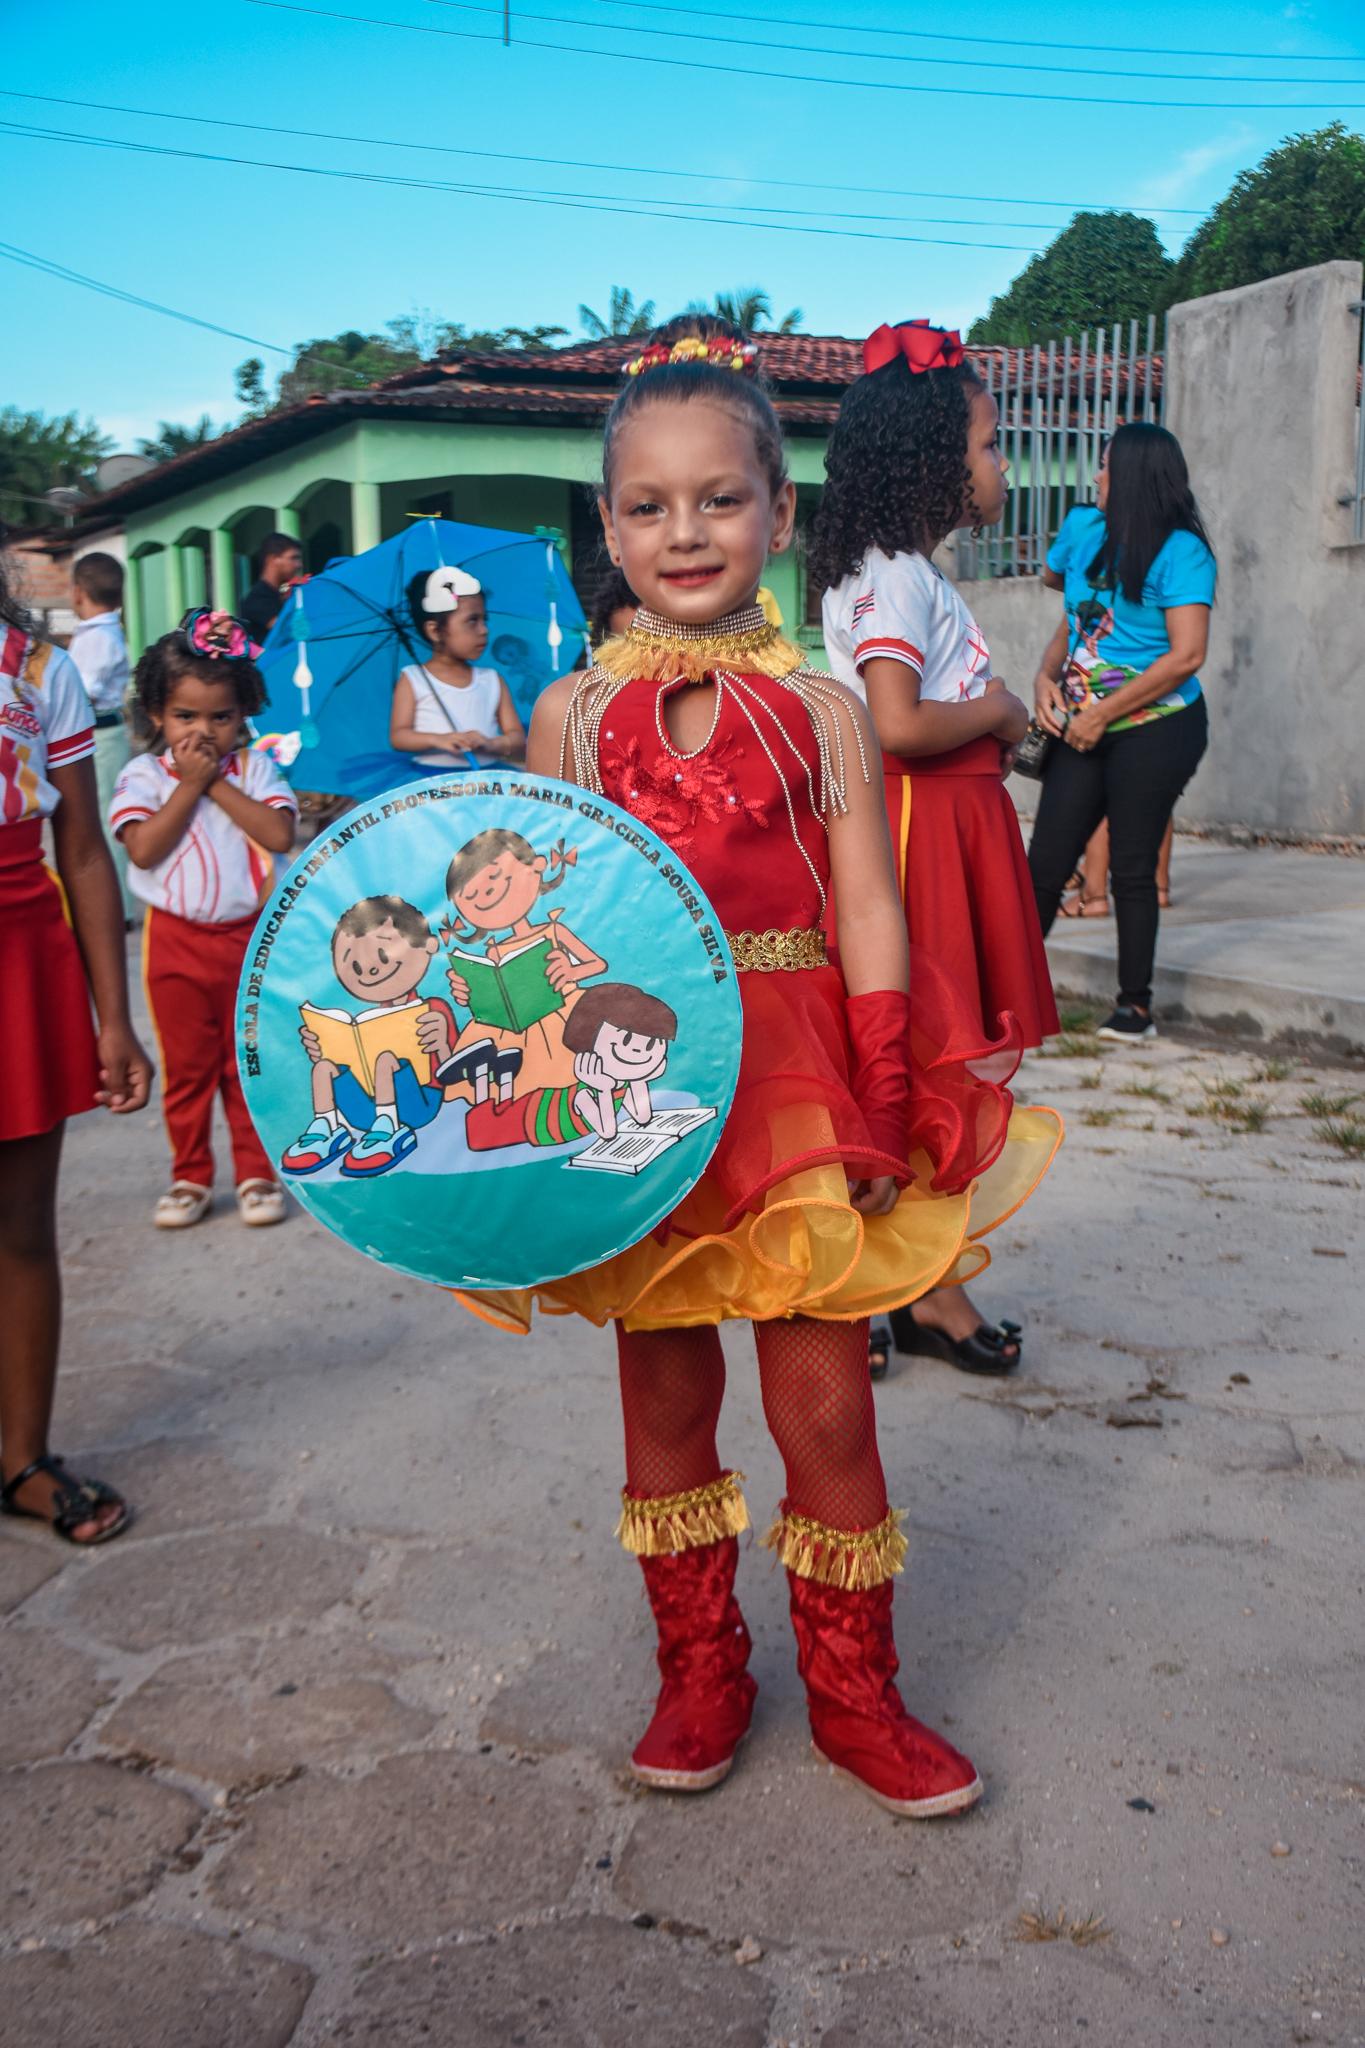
x: 1261, y: 392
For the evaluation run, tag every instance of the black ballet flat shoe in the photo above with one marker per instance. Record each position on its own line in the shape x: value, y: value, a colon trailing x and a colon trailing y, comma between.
x: 879, y: 1343
x: 985, y: 1352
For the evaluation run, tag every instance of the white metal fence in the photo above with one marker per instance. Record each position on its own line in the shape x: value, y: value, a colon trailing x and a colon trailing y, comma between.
x: 1058, y: 402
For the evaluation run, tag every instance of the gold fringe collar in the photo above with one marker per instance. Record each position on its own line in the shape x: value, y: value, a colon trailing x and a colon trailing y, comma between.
x: 661, y: 651
x: 683, y: 1521
x: 853, y: 1560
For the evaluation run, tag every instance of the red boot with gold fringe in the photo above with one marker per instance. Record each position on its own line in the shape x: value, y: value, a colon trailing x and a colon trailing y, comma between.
x: 840, y: 1584
x: 686, y: 1544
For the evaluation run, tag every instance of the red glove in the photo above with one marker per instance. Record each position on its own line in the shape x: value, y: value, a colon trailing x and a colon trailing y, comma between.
x: 879, y: 1031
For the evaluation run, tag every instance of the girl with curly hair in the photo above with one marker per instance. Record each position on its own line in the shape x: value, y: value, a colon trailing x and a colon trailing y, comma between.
x: 820, y: 1203
x: 203, y: 820
x: 916, y: 454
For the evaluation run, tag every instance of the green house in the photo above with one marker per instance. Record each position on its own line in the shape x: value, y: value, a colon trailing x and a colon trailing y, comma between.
x: 507, y: 439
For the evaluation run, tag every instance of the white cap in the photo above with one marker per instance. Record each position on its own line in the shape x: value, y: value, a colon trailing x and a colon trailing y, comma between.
x: 445, y: 588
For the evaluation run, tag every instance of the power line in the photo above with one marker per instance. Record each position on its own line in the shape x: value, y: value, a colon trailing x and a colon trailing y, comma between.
x: 678, y: 35
x: 51, y: 268
x: 581, y: 164
x: 751, y: 71
x: 924, y: 35
x: 577, y: 203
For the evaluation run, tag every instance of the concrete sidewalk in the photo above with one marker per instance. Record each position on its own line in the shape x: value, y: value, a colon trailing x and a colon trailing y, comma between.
x: 1260, y: 943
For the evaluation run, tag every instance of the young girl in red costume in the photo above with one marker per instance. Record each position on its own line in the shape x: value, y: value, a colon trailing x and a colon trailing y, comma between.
x: 916, y: 454
x: 203, y: 821
x: 817, y: 1207
x: 55, y: 1065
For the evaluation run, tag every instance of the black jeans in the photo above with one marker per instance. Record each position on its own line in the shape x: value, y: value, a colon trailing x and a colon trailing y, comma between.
x: 1133, y: 778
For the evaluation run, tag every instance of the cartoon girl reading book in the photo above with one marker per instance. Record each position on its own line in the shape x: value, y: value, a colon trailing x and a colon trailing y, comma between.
x: 522, y: 986
x: 375, y: 1070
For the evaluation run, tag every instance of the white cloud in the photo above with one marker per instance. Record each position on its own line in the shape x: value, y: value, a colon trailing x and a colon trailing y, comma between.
x: 1168, y: 187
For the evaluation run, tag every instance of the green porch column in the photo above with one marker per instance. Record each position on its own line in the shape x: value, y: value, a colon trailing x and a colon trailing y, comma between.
x: 222, y: 568
x: 365, y: 527
x: 192, y: 572
x: 175, y: 583
x: 134, y: 615
x: 287, y: 521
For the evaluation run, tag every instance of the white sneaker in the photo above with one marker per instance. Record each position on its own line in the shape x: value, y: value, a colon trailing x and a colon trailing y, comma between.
x: 260, y: 1203
x: 182, y: 1204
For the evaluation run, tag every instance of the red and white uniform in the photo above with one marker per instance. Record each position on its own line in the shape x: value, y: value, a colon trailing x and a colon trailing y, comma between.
x: 202, y: 901
x: 901, y: 608
x: 46, y: 724
x: 215, y: 874
x: 960, y: 856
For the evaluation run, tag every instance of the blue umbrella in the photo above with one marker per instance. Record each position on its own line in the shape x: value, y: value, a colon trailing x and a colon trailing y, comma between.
x: 334, y: 654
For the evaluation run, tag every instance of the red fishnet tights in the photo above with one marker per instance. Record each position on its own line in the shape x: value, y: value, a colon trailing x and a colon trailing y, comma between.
x: 817, y: 1398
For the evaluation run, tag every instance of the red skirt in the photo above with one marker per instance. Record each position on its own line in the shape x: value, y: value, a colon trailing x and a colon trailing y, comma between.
x: 965, y: 884
x: 51, y: 1071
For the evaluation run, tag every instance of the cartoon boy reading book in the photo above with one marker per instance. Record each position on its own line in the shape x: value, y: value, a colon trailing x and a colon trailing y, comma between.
x: 374, y: 1071
x: 521, y: 986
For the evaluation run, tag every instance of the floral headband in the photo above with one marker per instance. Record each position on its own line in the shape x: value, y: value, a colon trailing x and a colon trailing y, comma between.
x: 218, y: 636
x: 721, y: 352
x: 923, y: 347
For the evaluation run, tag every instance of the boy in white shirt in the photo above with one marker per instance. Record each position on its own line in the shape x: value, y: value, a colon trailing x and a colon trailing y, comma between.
x: 100, y: 652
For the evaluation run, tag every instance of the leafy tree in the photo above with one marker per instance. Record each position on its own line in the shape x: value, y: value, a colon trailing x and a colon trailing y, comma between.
x: 249, y: 384
x: 1103, y: 267
x: 38, y: 455
x: 349, y: 361
x: 624, y: 316
x: 752, y: 309
x: 171, y: 440
x: 1304, y: 203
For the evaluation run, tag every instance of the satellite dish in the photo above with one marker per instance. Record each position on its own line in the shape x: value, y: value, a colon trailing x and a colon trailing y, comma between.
x: 120, y: 469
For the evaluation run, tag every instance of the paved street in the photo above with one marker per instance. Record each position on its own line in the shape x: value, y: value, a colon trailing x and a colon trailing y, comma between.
x: 330, y: 1748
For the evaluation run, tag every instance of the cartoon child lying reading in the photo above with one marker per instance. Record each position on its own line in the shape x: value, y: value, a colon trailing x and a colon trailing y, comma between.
x: 619, y: 1038
x: 374, y: 1073
x: 520, y: 989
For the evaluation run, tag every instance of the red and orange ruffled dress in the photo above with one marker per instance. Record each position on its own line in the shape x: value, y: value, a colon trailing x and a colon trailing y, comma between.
x: 769, y: 1230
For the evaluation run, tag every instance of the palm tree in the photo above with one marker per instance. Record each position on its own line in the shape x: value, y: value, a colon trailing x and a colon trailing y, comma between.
x: 171, y: 439
x: 751, y: 308
x: 624, y: 316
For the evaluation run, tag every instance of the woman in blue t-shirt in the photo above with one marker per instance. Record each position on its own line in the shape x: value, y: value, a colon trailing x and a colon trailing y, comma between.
x: 1118, y: 687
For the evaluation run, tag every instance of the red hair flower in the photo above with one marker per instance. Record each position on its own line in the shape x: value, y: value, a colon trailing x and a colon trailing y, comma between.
x: 923, y: 347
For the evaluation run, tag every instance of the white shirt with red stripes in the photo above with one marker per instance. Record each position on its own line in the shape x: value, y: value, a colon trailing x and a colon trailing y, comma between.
x: 45, y: 723
x: 901, y: 608
x: 215, y: 873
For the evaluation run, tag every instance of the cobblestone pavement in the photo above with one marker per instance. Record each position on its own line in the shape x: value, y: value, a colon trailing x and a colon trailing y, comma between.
x: 330, y: 1748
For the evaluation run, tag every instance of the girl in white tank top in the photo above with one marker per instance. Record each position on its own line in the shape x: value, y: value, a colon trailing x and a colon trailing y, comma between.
x: 446, y: 710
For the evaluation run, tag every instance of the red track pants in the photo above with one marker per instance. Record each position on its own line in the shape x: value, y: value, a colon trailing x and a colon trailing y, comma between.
x: 191, y: 973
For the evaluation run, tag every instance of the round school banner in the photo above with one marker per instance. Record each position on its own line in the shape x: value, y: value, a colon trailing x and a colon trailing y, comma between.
x: 488, y: 1029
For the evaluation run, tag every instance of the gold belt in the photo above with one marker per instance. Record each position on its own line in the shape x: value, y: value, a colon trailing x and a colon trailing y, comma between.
x: 773, y: 951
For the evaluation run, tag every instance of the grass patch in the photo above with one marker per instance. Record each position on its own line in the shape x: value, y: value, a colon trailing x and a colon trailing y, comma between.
x: 1073, y: 1045
x: 1274, y: 1070
x: 1250, y: 1116
x: 1327, y: 1106
x: 1223, y: 1090
x: 1100, y: 1119
x: 1059, y: 1926
x: 1347, y: 1133
x: 1078, y: 1017
x: 1149, y: 1091
x: 1095, y: 1080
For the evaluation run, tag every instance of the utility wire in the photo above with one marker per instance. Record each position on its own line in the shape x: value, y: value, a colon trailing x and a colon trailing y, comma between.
x: 580, y: 164
x: 751, y: 71
x: 49, y: 267
x: 924, y: 35
x: 805, y: 49
x: 572, y: 203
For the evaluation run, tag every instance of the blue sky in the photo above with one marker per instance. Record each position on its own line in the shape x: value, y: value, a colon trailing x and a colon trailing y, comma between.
x: 283, y: 255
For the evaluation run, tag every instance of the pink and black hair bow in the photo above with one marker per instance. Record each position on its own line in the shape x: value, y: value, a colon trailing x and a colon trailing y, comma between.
x: 218, y: 636
x: 922, y: 346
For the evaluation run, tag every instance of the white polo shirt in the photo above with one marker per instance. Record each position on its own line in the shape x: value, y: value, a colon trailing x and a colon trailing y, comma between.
x: 100, y: 652
x: 45, y: 722
x: 215, y: 874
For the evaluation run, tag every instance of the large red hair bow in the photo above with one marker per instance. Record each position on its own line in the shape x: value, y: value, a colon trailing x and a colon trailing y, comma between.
x: 923, y: 347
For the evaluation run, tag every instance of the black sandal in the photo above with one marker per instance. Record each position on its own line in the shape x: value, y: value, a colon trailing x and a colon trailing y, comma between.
x: 879, y: 1342
x: 75, y: 1502
x: 985, y: 1352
